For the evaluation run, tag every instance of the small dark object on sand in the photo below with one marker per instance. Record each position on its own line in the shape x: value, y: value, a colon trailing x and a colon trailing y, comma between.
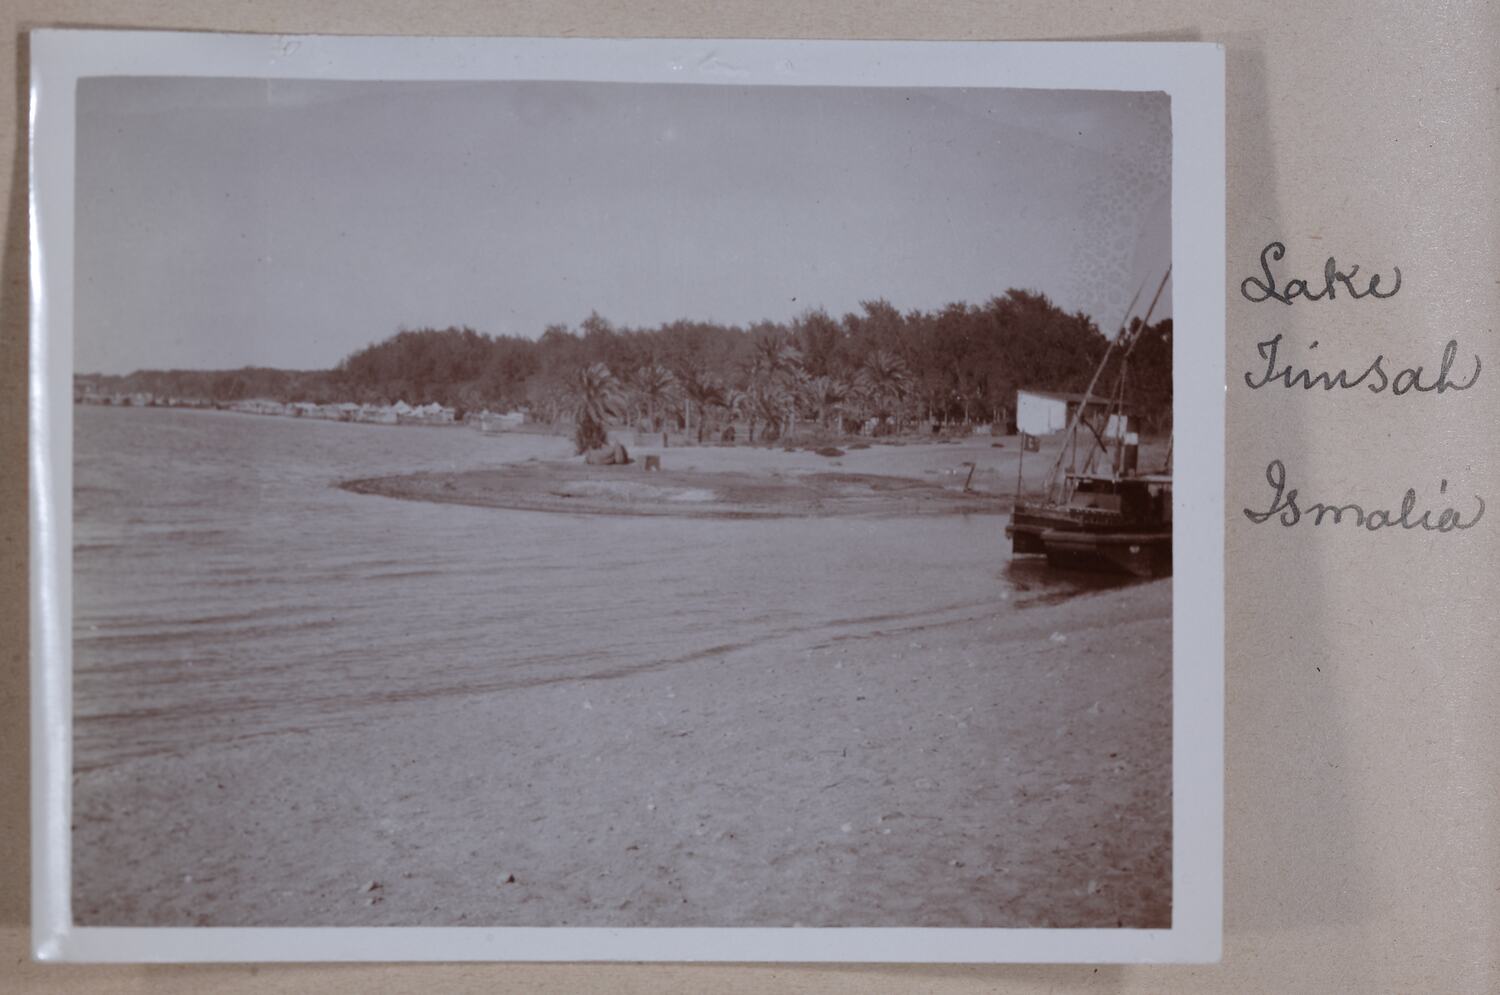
x: 829, y: 451
x: 610, y: 455
x: 859, y: 445
x: 653, y: 463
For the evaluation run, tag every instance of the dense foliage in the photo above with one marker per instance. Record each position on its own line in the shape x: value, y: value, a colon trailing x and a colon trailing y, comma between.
x: 962, y: 363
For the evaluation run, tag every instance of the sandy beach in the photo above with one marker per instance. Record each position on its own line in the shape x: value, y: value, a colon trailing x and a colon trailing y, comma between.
x: 991, y: 773
x: 1004, y: 762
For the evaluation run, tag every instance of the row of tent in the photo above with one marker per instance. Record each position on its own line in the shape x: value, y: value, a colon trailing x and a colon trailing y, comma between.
x: 399, y: 413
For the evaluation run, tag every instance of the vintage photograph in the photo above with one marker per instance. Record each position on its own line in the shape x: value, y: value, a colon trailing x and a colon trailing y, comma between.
x: 568, y: 503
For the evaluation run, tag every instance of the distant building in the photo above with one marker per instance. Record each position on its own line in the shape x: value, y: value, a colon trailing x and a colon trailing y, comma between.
x: 311, y: 409
x: 259, y: 406
x: 427, y: 414
x: 1043, y: 412
x: 376, y: 414
x: 86, y: 389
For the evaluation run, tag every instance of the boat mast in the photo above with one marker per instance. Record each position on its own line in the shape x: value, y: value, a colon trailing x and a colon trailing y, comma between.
x: 1072, y: 434
x: 1072, y: 437
x: 1118, y: 407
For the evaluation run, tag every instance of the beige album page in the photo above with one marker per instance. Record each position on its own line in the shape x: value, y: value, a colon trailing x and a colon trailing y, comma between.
x: 1362, y: 842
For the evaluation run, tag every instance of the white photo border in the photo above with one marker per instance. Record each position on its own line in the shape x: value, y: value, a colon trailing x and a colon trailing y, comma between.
x: 1192, y: 74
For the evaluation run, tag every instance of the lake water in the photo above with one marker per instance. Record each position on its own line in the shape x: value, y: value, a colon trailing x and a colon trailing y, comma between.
x: 225, y: 587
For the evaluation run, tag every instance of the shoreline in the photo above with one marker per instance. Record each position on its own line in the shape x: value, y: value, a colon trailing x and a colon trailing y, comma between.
x: 991, y: 760
x: 746, y: 480
x: 983, y: 772
x: 904, y: 478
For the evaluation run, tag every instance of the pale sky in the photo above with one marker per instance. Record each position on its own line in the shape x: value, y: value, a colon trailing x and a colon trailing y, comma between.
x: 224, y: 223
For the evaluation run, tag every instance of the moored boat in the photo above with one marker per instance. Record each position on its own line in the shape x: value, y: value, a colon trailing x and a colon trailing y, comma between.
x: 1120, y: 524
x: 1108, y: 517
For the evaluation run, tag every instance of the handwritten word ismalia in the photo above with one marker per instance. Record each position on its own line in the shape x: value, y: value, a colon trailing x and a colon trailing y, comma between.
x: 1257, y: 290
x: 1286, y: 509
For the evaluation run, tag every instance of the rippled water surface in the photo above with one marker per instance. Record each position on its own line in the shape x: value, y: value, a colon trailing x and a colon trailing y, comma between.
x: 224, y: 587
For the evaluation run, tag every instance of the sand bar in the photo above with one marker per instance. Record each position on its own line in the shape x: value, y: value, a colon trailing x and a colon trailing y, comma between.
x: 626, y: 490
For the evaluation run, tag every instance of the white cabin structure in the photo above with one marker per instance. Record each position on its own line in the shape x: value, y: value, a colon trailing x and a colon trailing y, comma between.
x: 1045, y: 412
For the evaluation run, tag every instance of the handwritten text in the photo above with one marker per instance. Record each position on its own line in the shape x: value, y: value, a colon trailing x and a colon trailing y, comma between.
x: 1266, y: 290
x: 1286, y: 509
x: 1374, y: 377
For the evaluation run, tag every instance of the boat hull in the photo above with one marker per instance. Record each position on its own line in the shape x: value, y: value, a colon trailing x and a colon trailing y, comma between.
x: 1140, y: 554
x: 1029, y: 523
x: 1084, y: 539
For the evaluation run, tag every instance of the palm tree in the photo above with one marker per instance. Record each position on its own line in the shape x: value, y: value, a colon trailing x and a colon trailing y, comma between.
x: 827, y: 395
x: 596, y: 399
x: 777, y: 356
x: 739, y: 404
x: 654, y: 384
x: 752, y: 402
x: 703, y: 389
x: 889, y: 380
x: 777, y: 404
x: 774, y: 371
x: 761, y: 401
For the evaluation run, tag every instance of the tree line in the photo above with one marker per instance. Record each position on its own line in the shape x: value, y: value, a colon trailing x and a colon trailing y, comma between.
x: 958, y: 364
